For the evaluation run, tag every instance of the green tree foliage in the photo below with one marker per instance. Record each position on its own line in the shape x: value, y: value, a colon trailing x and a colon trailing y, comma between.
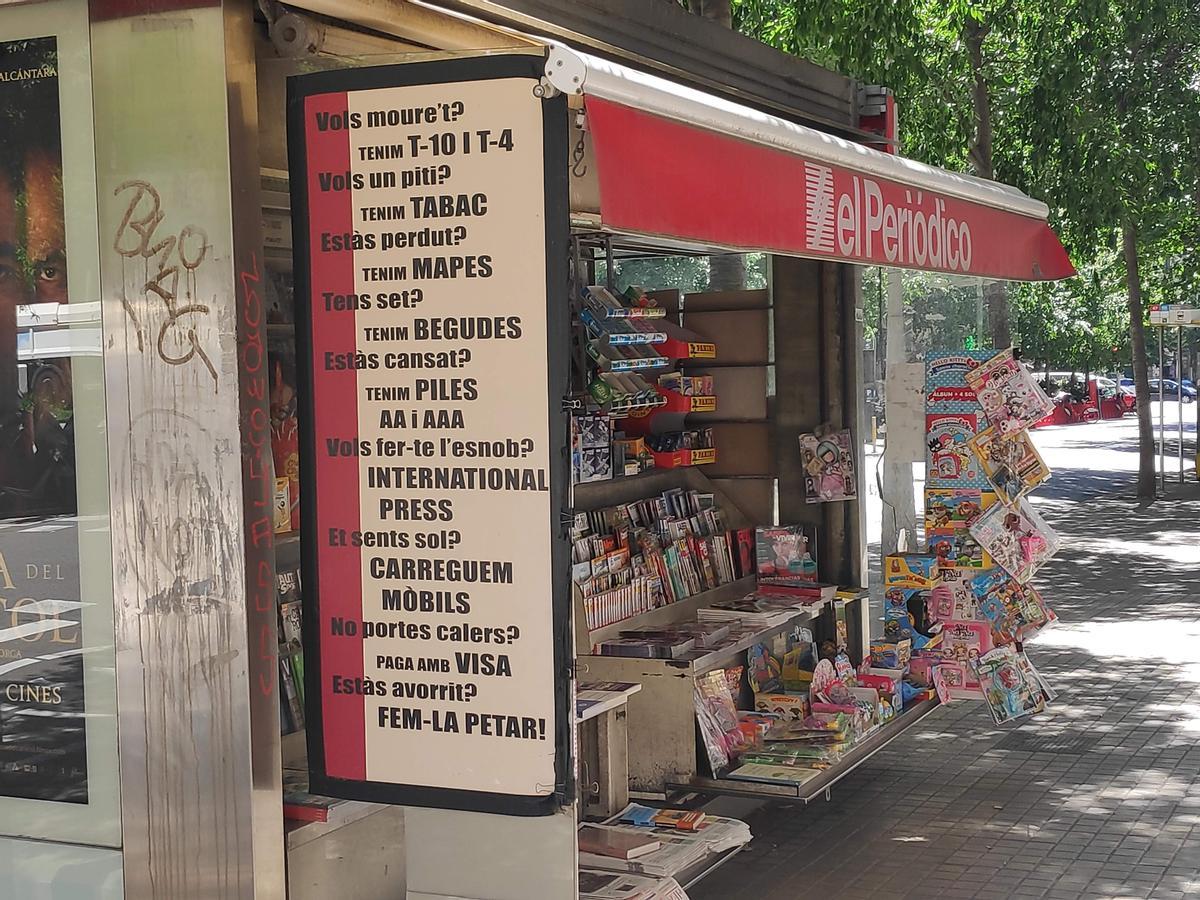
x: 689, y: 274
x: 1080, y: 324
x: 1109, y: 122
x: 1093, y: 105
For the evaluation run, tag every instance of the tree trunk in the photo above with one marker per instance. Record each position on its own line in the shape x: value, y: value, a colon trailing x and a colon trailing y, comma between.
x: 895, y: 469
x: 720, y: 11
x: 1146, y: 488
x: 980, y: 155
x: 996, y: 295
x: 727, y: 272
x: 980, y: 152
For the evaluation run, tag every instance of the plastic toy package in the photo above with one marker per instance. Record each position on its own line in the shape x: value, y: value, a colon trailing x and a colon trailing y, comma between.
x: 1013, y: 464
x: 1011, y: 687
x: 1011, y: 399
x: 1017, y: 538
x: 717, y: 714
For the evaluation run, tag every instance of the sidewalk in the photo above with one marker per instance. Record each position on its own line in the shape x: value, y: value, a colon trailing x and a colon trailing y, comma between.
x: 1097, y: 798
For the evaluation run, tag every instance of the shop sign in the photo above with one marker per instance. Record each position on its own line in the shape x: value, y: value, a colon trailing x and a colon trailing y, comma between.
x: 430, y: 221
x: 1174, y: 314
x: 718, y: 189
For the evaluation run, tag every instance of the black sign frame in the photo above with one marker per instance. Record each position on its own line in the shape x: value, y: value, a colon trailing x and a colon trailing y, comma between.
x: 557, y: 235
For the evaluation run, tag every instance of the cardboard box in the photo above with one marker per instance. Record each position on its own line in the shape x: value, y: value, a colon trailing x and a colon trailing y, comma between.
x: 910, y: 570
x: 282, y: 505
x: 891, y: 654
x: 787, y: 706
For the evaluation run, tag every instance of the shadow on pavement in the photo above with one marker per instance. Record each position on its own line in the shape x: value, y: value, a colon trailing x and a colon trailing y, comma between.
x: 1098, y: 797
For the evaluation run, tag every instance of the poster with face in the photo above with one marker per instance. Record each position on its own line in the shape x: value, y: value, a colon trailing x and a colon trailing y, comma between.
x: 43, y: 741
x: 37, y: 474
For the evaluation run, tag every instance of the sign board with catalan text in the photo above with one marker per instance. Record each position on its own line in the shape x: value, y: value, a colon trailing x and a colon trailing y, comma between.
x: 430, y: 226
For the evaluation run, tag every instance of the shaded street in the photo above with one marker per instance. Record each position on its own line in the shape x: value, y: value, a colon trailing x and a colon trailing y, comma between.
x: 1097, y: 798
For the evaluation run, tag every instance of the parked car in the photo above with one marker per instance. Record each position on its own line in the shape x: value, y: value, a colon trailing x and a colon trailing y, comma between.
x: 1172, y: 390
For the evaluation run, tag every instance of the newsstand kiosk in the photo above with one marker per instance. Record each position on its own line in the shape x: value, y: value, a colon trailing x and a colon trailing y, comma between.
x: 377, y: 620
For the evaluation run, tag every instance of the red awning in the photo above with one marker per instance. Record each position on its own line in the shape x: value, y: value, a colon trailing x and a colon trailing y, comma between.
x: 673, y: 163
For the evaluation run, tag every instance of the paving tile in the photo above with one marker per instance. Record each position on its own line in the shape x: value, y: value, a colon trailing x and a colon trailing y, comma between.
x: 1120, y: 819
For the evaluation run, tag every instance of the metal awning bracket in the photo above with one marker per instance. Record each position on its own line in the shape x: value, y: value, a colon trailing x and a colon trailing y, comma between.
x: 565, y: 70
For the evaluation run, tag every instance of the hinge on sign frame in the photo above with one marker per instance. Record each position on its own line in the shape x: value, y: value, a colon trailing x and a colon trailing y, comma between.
x: 544, y: 90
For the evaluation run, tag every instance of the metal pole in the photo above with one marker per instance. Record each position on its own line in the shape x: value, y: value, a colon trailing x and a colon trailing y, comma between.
x: 979, y: 312
x: 1179, y: 381
x: 1162, y: 427
x: 880, y: 345
x: 609, y: 274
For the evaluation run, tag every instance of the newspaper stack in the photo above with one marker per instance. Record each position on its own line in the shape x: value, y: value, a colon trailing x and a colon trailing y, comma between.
x: 600, y: 885
x: 753, y: 609
x: 678, y: 850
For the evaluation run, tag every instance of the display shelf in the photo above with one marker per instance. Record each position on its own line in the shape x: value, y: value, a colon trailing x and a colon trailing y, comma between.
x: 679, y: 611
x: 669, y: 415
x: 341, y: 814
x: 609, y: 328
x: 686, y: 346
x: 674, y: 459
x: 637, y: 312
x: 589, y: 495
x: 615, y: 700
x: 816, y: 787
x: 687, y: 403
x: 698, y: 871
x: 627, y: 488
x: 617, y: 410
x: 717, y: 657
x: 723, y: 657
x: 601, y: 351
x: 662, y: 717
x: 680, y: 346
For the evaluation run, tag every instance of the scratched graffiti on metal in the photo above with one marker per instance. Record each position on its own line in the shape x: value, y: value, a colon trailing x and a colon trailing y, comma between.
x: 181, y: 561
x: 171, y: 260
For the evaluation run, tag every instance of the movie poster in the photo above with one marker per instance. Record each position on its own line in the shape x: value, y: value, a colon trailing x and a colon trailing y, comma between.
x: 43, y: 746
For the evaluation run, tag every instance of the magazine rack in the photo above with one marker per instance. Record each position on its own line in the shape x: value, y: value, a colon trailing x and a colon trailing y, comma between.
x: 819, y: 786
x: 662, y: 718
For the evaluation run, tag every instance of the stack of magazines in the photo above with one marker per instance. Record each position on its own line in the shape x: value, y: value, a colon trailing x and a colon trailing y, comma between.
x: 720, y: 833
x: 631, y: 558
x: 795, y: 751
x: 677, y: 849
x: 597, y: 884
x: 681, y: 640
x: 753, y: 609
